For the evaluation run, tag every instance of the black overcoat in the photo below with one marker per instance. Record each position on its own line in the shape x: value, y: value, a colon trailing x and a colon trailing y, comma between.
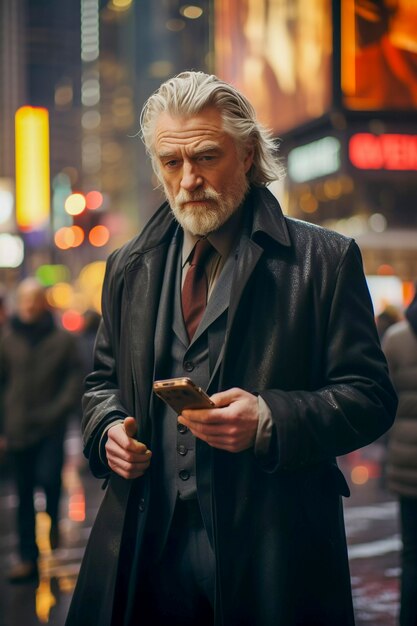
x: 301, y: 333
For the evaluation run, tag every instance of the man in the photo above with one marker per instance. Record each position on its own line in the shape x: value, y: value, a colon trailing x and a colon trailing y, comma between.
x: 229, y: 515
x: 40, y: 381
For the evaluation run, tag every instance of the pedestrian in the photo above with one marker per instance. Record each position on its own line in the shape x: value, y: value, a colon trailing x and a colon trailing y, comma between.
x: 40, y: 379
x: 400, y: 346
x: 228, y: 515
x: 3, y: 320
x: 387, y: 317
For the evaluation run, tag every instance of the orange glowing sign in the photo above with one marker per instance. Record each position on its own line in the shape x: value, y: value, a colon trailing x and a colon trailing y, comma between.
x: 383, y: 152
x: 379, y: 54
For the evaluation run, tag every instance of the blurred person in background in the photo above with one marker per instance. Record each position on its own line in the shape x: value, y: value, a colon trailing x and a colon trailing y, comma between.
x: 3, y: 309
x: 400, y: 346
x: 389, y: 315
x: 40, y: 382
x: 3, y: 320
x: 229, y: 515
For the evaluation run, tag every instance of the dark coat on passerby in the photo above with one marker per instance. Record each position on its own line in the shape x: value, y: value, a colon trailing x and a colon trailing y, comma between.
x: 301, y: 333
x: 400, y: 346
x: 41, y: 380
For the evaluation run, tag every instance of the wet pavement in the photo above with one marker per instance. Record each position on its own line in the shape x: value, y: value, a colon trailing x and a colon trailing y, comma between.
x: 371, y: 524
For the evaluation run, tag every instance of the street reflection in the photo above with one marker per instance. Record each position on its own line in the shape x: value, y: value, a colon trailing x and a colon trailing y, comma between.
x: 371, y: 517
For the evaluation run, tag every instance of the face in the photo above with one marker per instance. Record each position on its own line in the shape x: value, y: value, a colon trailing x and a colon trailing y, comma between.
x: 202, y: 171
x: 31, y: 304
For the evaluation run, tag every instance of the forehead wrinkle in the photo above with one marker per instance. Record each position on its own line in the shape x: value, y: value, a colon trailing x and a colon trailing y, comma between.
x: 200, y: 149
x: 181, y: 130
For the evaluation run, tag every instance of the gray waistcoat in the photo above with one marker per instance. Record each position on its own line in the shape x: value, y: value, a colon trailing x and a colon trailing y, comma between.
x: 173, y: 446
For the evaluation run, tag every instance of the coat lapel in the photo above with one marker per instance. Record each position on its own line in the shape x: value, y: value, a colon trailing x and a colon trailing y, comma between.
x: 165, y: 320
x: 143, y: 279
x: 248, y: 256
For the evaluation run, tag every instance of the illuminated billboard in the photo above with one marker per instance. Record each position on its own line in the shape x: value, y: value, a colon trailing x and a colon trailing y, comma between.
x: 279, y: 54
x: 32, y: 168
x: 379, y: 54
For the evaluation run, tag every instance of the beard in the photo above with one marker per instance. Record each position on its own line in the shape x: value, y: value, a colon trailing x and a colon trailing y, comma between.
x: 214, y: 208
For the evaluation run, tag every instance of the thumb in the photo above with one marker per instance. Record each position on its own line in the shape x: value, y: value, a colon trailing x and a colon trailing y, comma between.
x: 130, y: 426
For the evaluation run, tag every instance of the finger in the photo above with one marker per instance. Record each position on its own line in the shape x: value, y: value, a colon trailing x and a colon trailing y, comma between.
x: 130, y: 426
x: 206, y: 416
x: 127, y: 468
x: 133, y: 452
x: 130, y: 473
x: 231, y: 444
x: 224, y: 398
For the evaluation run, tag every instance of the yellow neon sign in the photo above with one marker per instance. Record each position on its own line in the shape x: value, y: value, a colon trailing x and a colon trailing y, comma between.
x: 32, y: 168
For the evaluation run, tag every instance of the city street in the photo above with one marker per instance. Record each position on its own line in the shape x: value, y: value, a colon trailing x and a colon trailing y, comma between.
x: 371, y: 523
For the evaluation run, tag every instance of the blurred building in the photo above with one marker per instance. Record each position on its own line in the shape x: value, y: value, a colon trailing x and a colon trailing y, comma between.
x: 337, y: 81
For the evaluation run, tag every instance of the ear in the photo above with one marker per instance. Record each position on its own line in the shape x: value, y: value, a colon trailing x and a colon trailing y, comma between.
x: 248, y: 158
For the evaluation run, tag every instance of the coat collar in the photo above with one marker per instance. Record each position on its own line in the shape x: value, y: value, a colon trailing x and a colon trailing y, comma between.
x: 261, y: 208
x: 267, y: 216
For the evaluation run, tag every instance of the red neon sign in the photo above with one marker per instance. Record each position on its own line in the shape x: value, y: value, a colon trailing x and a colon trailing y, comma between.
x: 383, y: 152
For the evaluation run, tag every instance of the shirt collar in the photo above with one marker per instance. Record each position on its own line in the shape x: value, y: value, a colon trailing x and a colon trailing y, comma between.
x: 222, y: 239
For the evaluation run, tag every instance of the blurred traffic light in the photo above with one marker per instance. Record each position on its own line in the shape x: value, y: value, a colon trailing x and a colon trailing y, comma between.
x: 32, y: 168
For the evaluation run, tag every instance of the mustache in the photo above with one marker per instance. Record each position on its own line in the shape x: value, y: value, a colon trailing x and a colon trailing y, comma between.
x: 199, y: 195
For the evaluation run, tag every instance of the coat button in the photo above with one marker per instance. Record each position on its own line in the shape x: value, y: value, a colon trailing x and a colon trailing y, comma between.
x: 182, y: 450
x: 141, y: 505
x: 182, y: 428
x: 188, y: 366
x: 184, y: 475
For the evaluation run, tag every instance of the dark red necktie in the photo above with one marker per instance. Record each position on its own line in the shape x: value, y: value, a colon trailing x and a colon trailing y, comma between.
x: 194, y: 290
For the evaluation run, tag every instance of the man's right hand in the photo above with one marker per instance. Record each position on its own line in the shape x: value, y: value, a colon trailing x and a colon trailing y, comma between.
x: 125, y: 455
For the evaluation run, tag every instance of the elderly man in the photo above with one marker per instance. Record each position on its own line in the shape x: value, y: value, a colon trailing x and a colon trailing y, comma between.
x: 232, y: 514
x: 41, y: 383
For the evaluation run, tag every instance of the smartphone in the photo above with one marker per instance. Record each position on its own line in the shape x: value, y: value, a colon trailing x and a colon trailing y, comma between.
x: 182, y: 393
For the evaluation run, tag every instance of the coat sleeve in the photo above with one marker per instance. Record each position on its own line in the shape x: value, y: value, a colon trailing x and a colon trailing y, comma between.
x: 357, y: 403
x: 101, y: 400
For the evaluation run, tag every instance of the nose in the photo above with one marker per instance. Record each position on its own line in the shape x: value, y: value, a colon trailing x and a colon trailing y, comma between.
x: 190, y: 179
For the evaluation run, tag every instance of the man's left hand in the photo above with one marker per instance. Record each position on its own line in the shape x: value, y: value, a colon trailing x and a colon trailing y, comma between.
x: 231, y: 426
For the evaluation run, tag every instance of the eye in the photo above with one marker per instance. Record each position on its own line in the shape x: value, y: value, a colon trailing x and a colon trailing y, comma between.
x: 171, y: 164
x: 205, y: 158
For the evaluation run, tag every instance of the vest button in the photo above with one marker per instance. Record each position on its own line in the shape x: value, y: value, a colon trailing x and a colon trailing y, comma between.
x: 184, y: 475
x: 141, y: 505
x: 182, y: 428
x: 182, y: 450
x: 188, y: 366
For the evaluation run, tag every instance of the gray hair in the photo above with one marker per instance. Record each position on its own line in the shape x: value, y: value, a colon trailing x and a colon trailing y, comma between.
x: 189, y: 93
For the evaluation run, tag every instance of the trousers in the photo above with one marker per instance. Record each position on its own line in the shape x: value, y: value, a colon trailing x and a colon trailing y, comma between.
x: 178, y: 589
x: 39, y: 465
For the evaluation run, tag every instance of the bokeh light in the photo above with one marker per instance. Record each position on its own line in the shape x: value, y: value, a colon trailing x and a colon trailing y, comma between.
x: 64, y: 238
x: 94, y: 200
x: 78, y: 235
x: 191, y: 11
x: 360, y: 475
x: 60, y: 296
x: 72, y: 320
x: 75, y: 204
x: 99, y: 236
